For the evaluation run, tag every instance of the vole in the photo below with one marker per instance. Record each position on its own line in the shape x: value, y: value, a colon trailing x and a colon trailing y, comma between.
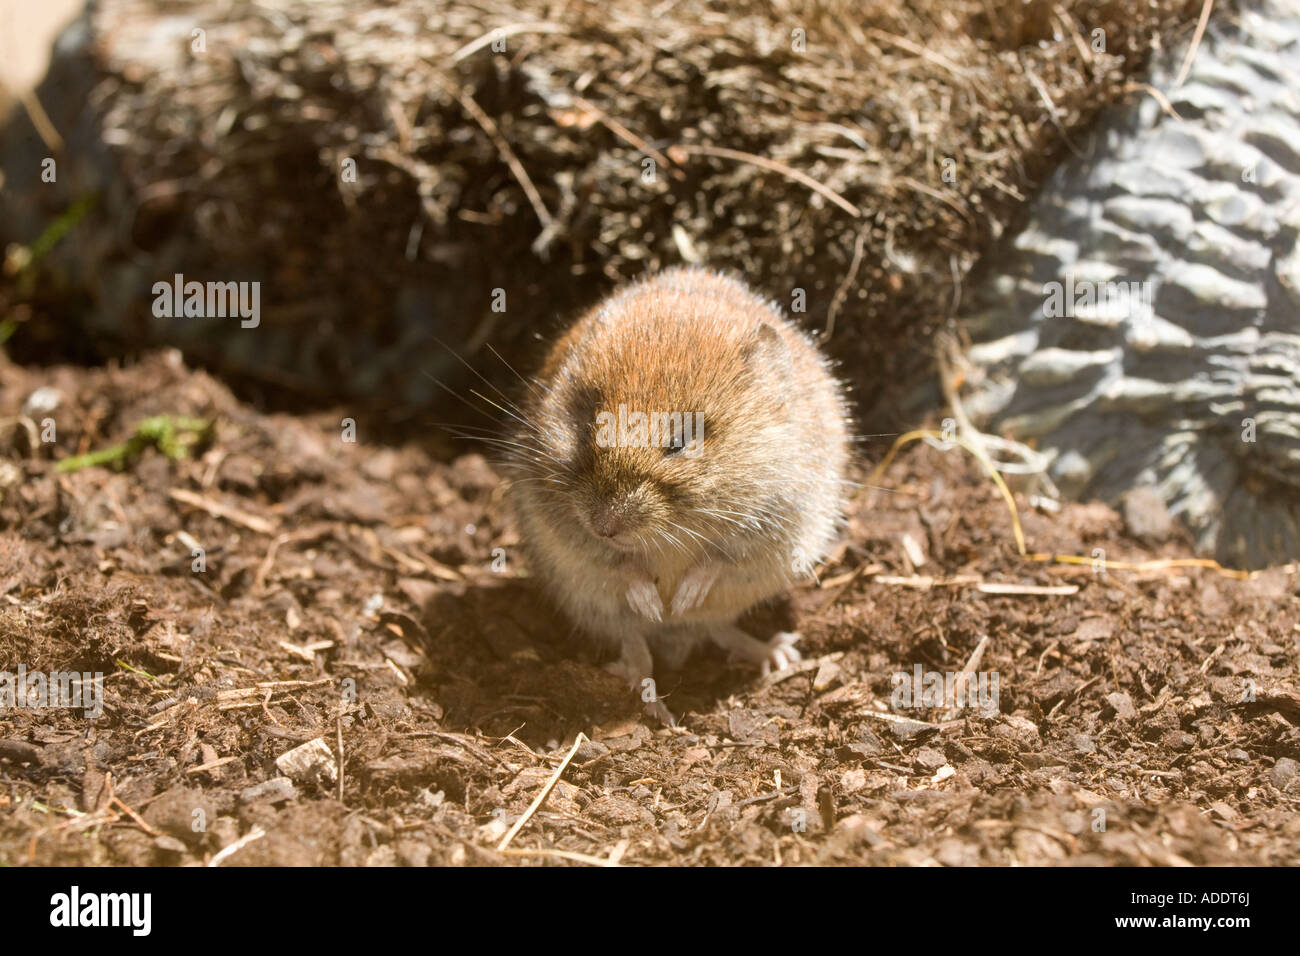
x: 681, y: 457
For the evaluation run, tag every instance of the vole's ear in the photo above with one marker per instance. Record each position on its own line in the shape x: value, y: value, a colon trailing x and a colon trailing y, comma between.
x: 767, y: 353
x: 581, y: 404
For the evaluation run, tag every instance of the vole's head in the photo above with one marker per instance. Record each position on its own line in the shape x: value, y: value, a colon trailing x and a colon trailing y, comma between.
x: 662, y: 423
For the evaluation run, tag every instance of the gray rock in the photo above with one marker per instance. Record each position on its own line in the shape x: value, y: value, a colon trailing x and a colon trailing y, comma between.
x: 1122, y: 704
x: 1155, y: 216
x: 42, y: 402
x: 1283, y: 772
x: 1058, y: 366
x: 1212, y: 288
x: 182, y: 813
x: 1177, y: 147
x: 929, y: 759
x: 905, y: 730
x: 1277, y: 138
x: 275, y: 790
x: 1145, y: 516
x: 1195, y: 393
x: 1225, y: 250
x: 170, y: 844
x: 590, y: 750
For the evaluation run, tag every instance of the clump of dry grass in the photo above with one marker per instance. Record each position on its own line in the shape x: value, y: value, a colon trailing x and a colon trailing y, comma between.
x: 802, y: 143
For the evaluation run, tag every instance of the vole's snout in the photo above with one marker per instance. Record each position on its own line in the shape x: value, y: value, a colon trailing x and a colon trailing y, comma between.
x: 608, y: 521
x: 615, y: 517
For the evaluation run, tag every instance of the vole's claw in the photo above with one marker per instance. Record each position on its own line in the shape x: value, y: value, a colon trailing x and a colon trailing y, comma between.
x: 694, y: 587
x: 781, y: 652
x: 643, y: 597
x: 657, y: 710
x: 775, y: 654
x: 635, y: 665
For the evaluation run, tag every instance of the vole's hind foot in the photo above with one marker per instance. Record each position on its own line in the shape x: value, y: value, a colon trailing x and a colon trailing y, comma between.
x: 775, y: 654
x: 657, y: 710
x: 782, y: 652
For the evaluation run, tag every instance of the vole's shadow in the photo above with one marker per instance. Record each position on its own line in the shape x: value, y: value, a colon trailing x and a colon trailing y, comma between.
x: 499, y: 655
x: 710, y: 674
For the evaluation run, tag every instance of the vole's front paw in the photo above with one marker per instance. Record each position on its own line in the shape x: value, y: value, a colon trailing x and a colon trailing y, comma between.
x: 643, y: 597
x: 694, y: 587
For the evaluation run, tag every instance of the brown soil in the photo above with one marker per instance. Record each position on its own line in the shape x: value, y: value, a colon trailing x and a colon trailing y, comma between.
x: 1130, y: 696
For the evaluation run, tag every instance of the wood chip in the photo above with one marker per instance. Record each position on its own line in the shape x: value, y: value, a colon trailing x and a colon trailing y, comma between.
x: 218, y: 510
x: 991, y: 587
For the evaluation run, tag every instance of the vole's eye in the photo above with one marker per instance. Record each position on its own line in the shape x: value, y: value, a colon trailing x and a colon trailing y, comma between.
x: 680, y: 447
x: 685, y: 439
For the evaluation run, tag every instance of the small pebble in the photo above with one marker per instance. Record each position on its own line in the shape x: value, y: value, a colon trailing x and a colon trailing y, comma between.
x: 42, y: 401
x: 1145, y: 516
x: 1283, y: 772
x: 275, y: 790
x: 1122, y: 704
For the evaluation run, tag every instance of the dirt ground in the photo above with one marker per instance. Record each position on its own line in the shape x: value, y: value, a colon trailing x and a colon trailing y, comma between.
x: 349, y: 597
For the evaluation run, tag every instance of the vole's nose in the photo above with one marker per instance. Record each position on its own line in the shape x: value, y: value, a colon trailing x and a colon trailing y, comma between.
x: 607, y: 524
x: 611, y: 515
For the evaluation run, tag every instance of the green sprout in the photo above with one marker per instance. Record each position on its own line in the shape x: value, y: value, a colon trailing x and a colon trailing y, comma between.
x: 135, y: 670
x: 174, y: 436
x: 24, y: 257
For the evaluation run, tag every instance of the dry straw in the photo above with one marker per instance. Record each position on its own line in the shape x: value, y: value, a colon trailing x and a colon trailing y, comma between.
x: 506, y: 145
